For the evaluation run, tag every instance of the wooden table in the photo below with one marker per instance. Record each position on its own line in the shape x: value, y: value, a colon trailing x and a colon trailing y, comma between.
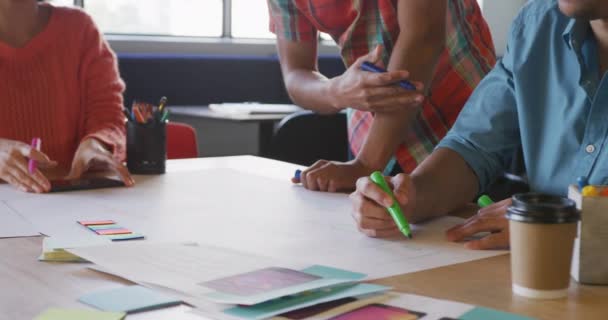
x: 28, y: 287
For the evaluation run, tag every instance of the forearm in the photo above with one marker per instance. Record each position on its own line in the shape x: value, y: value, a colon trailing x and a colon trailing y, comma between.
x: 311, y: 90
x: 384, y: 136
x: 443, y: 182
x: 389, y: 129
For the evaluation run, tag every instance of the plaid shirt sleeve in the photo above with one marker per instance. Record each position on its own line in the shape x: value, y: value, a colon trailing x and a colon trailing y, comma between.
x: 288, y: 22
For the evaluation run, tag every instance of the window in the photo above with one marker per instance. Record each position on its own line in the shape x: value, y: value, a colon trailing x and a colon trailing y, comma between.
x: 250, y: 19
x: 198, y: 18
x: 66, y: 3
x: 193, y: 18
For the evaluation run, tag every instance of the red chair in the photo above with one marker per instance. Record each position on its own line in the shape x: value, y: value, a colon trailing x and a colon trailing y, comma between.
x: 181, y: 141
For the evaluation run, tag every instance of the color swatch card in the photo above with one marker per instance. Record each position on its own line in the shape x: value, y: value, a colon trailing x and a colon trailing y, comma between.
x: 111, y: 230
x: 303, y: 300
x: 76, y: 314
x: 129, y: 299
x: 271, y: 283
x: 397, y: 306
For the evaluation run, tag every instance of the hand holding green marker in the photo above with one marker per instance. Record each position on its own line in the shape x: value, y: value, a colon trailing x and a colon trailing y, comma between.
x: 395, y: 209
x: 484, y: 201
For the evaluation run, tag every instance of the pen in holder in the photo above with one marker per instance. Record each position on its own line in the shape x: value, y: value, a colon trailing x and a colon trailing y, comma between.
x: 147, y: 138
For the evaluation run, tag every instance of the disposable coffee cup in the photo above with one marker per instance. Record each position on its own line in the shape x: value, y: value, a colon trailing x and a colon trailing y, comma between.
x: 542, y: 231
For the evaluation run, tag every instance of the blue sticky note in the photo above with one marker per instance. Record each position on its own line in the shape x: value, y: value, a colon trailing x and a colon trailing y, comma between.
x: 125, y: 237
x: 104, y: 227
x: 129, y: 299
x: 329, y: 272
x: 485, y: 313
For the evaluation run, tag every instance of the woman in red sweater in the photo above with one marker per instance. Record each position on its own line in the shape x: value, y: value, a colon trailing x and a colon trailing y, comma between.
x: 59, y: 81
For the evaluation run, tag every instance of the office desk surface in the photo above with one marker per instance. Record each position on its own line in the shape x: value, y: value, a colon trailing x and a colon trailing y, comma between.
x: 28, y: 287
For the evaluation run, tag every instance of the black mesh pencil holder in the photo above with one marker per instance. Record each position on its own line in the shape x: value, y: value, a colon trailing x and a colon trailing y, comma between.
x: 146, y: 147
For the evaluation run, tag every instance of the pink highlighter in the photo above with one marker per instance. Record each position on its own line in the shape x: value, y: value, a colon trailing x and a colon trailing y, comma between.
x: 32, y: 164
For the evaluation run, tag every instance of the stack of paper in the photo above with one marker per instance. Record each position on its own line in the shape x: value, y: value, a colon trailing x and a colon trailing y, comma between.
x: 392, y: 306
x: 254, y: 108
x: 54, y: 248
x: 236, y: 285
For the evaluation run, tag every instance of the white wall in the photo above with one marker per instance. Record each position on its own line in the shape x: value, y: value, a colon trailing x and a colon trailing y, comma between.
x: 499, y: 14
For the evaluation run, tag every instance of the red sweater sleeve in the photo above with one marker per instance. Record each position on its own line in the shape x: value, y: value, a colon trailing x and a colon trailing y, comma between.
x: 102, y: 92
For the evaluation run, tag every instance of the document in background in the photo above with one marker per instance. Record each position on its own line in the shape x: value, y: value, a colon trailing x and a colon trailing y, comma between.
x: 12, y: 225
x: 253, y: 108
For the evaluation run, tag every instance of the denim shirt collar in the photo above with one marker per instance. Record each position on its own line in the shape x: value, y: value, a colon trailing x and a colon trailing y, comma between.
x: 576, y: 33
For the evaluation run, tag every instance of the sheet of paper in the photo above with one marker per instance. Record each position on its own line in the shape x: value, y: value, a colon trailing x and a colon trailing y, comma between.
x: 129, y: 299
x: 182, y: 312
x: 249, y: 213
x: 12, y: 225
x: 181, y: 267
x: 76, y: 314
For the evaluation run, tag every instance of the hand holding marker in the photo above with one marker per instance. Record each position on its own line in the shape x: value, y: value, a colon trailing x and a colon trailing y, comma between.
x: 370, y: 67
x: 32, y: 164
x: 484, y: 201
x: 395, y: 209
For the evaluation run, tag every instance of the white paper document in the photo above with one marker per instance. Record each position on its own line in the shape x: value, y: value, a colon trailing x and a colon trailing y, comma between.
x: 248, y: 213
x: 180, y: 267
x: 253, y: 108
x: 12, y: 225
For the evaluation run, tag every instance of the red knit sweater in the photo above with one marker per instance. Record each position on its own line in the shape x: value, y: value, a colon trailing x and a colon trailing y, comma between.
x: 62, y: 86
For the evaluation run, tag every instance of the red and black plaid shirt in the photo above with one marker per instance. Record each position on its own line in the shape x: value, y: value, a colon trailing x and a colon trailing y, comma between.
x: 358, y: 26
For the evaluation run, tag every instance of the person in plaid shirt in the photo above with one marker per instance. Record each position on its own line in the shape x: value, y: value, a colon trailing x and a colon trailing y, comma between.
x: 443, y: 46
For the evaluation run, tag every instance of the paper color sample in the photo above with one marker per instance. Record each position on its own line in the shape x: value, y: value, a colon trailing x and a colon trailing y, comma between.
x: 129, y: 299
x: 75, y: 314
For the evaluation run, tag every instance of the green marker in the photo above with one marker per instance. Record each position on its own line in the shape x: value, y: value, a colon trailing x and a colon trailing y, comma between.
x: 395, y: 209
x: 484, y: 201
x: 165, y: 116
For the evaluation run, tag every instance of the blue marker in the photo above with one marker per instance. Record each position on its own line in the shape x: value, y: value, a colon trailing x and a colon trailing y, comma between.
x: 582, y: 182
x: 297, y: 174
x: 370, y: 67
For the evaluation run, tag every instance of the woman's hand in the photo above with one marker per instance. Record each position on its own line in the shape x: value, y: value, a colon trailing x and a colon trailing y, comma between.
x: 489, y: 219
x: 92, y: 155
x: 14, y: 156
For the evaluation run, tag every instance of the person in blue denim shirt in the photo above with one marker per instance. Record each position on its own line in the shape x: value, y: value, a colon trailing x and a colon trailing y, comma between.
x: 548, y: 96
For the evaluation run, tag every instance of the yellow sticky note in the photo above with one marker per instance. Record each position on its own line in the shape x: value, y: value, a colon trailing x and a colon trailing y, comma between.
x: 79, y: 314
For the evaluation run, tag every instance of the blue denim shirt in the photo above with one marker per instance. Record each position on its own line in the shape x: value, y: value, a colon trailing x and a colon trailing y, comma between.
x: 546, y: 96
